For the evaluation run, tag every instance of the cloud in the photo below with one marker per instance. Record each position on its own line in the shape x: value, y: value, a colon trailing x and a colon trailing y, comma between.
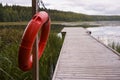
x: 16, y: 2
x: 99, y: 7
x: 113, y: 10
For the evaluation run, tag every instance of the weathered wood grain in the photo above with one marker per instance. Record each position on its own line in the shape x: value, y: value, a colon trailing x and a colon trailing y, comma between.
x: 84, y: 58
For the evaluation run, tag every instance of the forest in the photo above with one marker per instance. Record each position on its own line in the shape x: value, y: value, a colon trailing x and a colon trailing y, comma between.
x: 19, y: 13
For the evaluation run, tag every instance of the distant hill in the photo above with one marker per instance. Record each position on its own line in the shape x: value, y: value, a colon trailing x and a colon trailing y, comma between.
x: 20, y: 13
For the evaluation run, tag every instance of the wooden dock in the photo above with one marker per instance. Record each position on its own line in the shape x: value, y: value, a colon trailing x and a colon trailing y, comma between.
x: 84, y: 58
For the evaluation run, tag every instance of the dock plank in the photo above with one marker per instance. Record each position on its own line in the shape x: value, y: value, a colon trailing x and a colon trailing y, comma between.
x: 84, y: 58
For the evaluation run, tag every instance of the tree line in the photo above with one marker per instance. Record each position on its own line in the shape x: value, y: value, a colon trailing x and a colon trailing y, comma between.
x: 14, y: 13
x: 20, y: 13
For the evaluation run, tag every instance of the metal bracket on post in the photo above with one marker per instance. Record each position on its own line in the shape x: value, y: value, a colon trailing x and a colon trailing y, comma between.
x: 35, y: 46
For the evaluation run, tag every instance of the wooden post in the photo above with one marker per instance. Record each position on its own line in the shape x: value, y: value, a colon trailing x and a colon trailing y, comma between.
x: 33, y: 7
x: 35, y: 46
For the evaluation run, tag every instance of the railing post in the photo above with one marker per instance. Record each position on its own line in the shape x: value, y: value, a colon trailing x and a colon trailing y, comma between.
x: 35, y: 72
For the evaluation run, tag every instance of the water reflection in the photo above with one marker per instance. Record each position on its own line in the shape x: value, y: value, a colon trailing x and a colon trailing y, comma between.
x: 106, y: 34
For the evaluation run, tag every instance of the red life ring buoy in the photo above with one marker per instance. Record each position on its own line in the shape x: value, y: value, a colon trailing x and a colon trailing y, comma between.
x: 40, y: 21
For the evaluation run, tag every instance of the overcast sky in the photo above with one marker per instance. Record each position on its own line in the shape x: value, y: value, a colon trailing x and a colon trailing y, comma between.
x: 91, y: 7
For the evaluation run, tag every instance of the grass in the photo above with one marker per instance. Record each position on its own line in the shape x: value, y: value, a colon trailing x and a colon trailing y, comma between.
x: 12, y: 23
x: 10, y: 38
x: 115, y: 46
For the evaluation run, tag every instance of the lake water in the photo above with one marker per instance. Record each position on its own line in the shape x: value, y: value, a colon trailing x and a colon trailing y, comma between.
x: 107, y: 33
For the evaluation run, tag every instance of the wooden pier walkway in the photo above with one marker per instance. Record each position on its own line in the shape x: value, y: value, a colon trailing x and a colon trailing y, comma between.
x: 84, y: 58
